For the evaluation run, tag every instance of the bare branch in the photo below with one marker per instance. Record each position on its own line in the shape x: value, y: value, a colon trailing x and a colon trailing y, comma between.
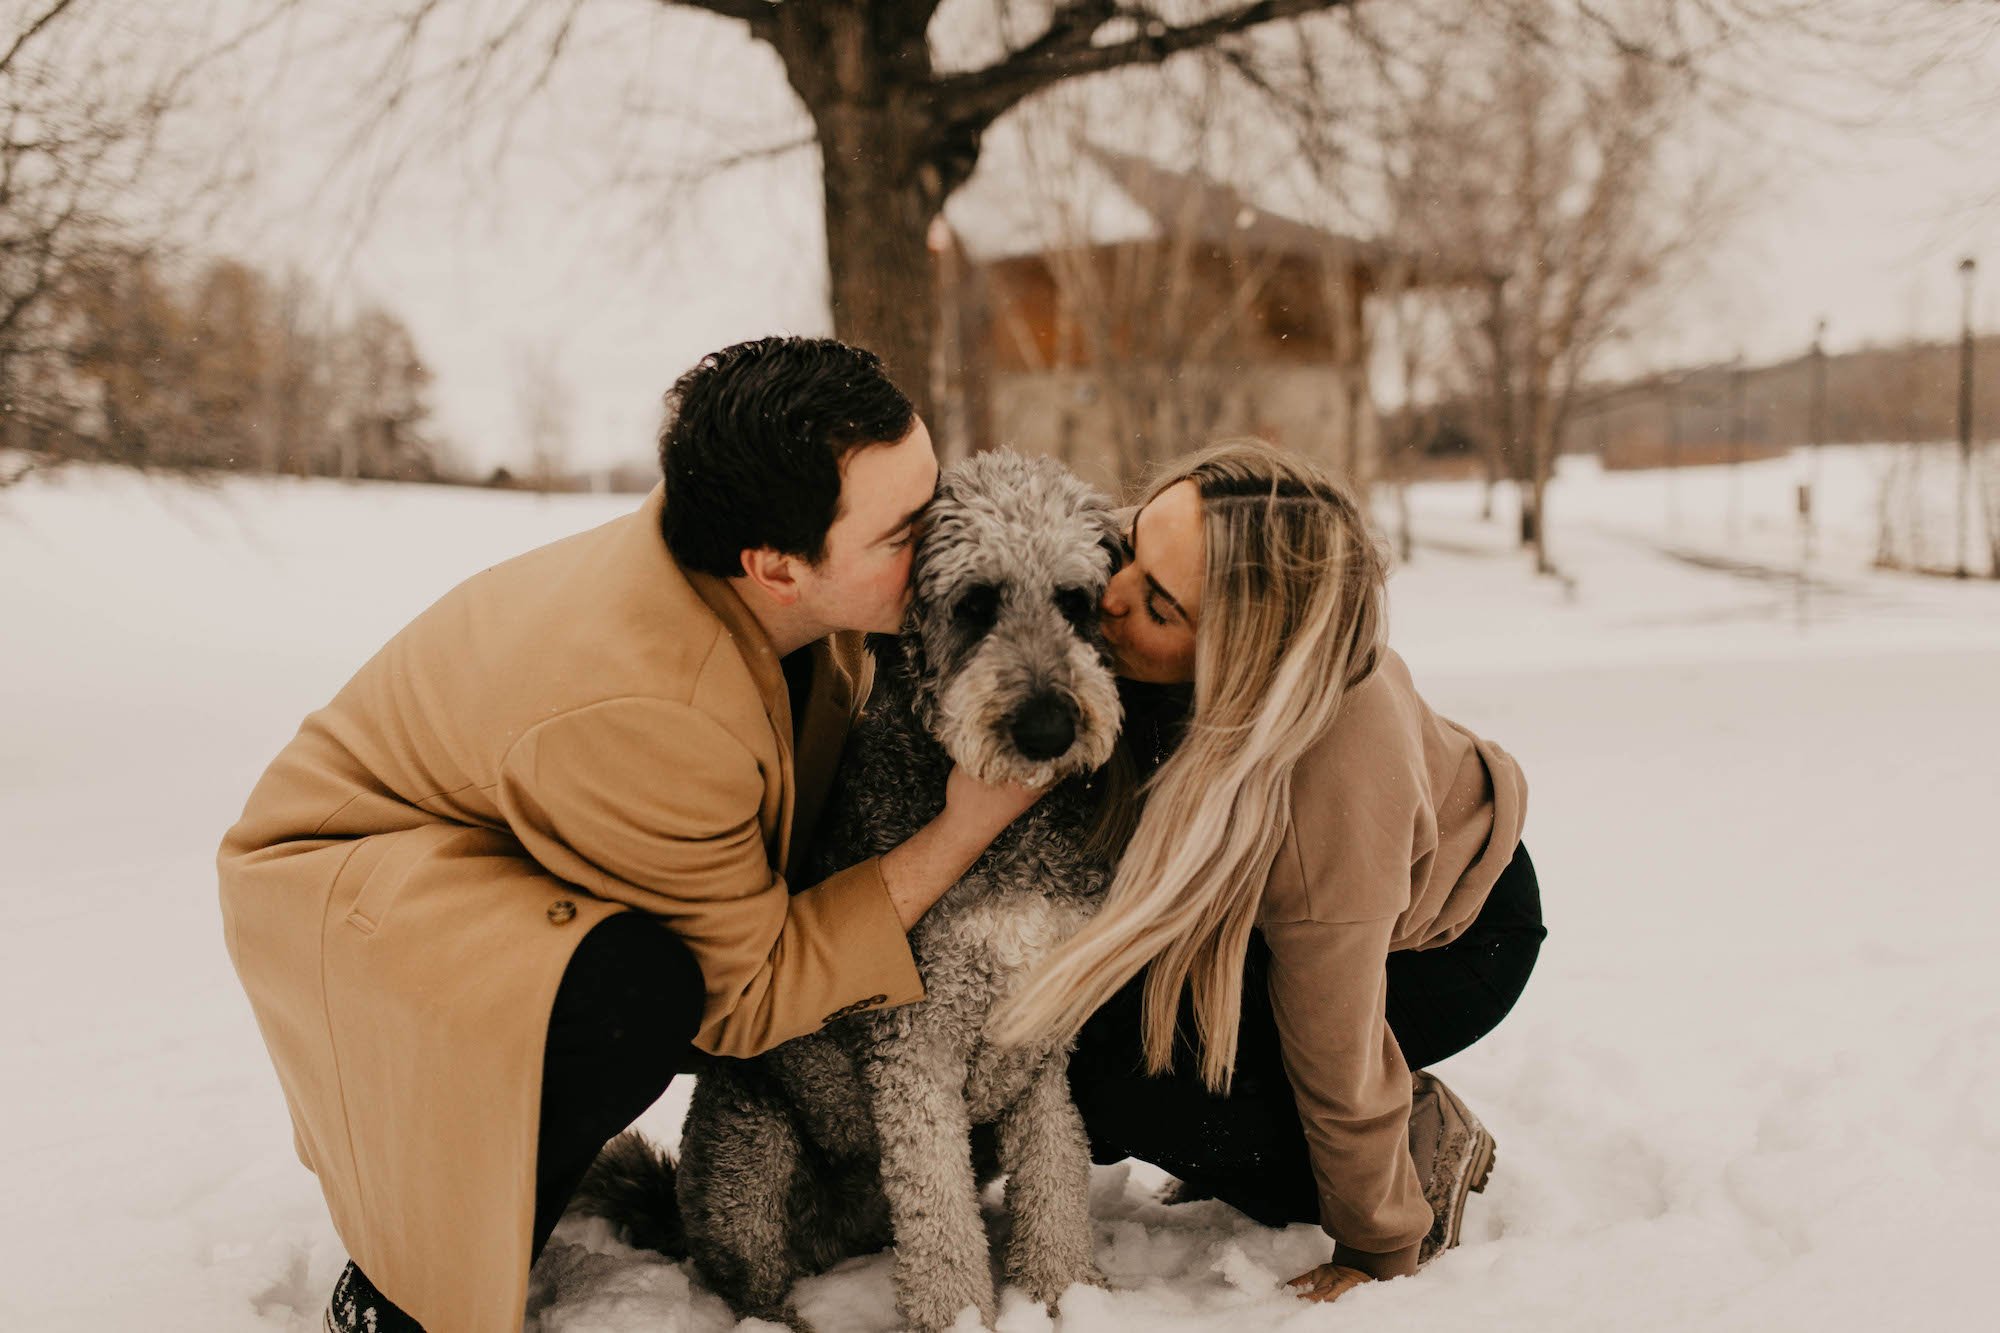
x: 19, y: 467
x: 28, y: 33
x: 1067, y: 50
x: 1072, y: 25
x: 759, y: 14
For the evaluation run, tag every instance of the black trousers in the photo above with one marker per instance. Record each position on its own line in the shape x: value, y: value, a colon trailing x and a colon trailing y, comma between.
x: 1248, y: 1148
x: 624, y: 1015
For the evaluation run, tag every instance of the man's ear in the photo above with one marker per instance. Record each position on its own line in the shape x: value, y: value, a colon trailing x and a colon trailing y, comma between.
x: 775, y: 573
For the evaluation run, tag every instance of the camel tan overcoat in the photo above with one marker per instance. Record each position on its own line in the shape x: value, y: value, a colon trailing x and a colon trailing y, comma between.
x: 582, y: 730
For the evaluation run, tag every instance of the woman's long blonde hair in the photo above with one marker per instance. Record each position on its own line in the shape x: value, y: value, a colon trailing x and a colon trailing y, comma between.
x: 1292, y: 617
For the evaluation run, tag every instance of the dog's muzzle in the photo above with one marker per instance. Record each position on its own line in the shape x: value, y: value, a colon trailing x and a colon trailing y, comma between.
x: 1044, y: 727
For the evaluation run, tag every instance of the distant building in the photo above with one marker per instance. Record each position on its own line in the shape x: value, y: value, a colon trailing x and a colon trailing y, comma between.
x: 1136, y: 312
x: 1725, y: 412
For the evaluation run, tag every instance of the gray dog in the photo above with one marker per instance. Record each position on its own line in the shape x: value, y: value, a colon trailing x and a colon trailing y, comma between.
x: 843, y: 1141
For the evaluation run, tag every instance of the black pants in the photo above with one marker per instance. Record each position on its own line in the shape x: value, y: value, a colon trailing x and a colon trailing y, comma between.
x: 1248, y: 1149
x: 624, y: 1014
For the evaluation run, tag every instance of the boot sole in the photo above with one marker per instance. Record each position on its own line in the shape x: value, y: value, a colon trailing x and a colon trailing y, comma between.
x: 1478, y: 1170
x: 1483, y: 1155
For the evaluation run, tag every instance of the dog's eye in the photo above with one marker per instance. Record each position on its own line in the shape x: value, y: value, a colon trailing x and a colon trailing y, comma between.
x: 1114, y: 545
x: 1078, y: 607
x: 978, y: 608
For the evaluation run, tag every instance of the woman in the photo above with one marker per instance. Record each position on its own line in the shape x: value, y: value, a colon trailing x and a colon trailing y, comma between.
x: 1329, y: 871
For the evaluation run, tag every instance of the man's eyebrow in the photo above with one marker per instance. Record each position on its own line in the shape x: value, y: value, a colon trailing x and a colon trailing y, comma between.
x: 1132, y: 545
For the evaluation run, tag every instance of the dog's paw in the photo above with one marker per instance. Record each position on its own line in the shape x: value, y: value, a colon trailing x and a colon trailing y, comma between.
x: 941, y: 1312
x: 788, y: 1316
x: 1047, y: 1288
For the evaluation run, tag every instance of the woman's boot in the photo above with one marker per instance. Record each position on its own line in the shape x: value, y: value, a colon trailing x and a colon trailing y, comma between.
x: 1453, y: 1154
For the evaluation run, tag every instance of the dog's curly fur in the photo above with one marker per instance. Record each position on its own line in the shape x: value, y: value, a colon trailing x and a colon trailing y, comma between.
x: 842, y: 1141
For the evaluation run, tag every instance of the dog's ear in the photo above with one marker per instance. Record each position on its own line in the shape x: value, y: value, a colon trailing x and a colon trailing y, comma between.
x: 899, y: 654
x: 900, y: 670
x: 1112, y: 525
x: 915, y: 665
x: 886, y: 649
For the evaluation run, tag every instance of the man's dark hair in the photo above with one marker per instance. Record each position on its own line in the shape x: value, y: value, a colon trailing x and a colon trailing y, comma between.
x: 753, y: 442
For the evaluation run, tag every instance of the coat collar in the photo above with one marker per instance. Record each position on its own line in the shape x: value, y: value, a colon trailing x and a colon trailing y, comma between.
x: 752, y: 644
x: 840, y: 681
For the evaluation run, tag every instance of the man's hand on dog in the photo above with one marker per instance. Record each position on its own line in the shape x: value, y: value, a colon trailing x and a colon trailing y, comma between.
x: 930, y: 861
x: 1327, y: 1282
x: 988, y: 805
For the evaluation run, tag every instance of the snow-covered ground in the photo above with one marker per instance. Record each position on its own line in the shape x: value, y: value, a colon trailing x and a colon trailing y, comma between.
x: 1755, y: 1083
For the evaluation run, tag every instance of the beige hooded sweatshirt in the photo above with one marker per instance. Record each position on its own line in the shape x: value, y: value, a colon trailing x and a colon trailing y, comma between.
x: 1401, y: 823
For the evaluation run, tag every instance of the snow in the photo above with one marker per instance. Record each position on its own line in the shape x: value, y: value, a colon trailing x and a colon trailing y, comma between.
x: 1754, y: 1084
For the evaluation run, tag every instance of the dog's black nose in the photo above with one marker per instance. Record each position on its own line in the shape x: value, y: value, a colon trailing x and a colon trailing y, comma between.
x: 1044, y: 726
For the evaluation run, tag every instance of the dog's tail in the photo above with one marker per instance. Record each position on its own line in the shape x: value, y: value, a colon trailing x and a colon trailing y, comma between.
x: 631, y: 1186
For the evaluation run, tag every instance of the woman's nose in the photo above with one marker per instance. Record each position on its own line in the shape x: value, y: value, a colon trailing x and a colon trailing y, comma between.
x: 1114, y: 603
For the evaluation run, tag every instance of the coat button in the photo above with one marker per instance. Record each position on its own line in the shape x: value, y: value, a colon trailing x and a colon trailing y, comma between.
x: 561, y: 911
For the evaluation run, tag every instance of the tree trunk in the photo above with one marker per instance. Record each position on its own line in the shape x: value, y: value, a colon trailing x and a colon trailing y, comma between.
x: 1502, y: 440
x: 1540, y: 537
x: 887, y: 165
x: 882, y: 286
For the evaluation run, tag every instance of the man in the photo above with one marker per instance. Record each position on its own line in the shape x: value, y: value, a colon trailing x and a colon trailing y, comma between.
x: 487, y: 897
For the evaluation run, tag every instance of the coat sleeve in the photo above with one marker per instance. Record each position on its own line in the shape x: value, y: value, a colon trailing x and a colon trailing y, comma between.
x: 652, y: 803
x: 1329, y: 986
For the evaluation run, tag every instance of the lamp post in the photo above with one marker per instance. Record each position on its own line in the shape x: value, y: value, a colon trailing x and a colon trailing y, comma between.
x: 1816, y: 414
x: 1503, y: 382
x: 1815, y: 436
x: 1967, y: 268
x: 1673, y: 386
x: 1737, y: 426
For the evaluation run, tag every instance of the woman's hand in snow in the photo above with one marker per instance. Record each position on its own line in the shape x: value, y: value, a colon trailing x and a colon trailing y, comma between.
x: 1328, y: 1282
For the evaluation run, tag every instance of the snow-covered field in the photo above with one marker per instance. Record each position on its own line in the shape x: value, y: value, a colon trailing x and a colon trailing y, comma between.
x: 1755, y: 1083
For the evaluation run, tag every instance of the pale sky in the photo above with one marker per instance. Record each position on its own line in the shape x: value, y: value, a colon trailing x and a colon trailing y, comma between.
x: 547, y: 261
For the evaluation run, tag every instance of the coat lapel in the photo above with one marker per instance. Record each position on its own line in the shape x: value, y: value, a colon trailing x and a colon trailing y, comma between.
x: 762, y: 659
x: 839, y: 683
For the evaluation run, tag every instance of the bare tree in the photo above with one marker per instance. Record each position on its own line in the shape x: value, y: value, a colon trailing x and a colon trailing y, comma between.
x: 233, y: 342
x: 380, y: 402
x: 1989, y: 507
x: 1895, y: 393
x: 896, y: 121
x: 83, y: 125
x: 1414, y: 325
x: 228, y: 370
x: 1546, y: 159
x: 125, y: 385
x: 1155, y: 328
x: 545, y: 406
x: 299, y: 389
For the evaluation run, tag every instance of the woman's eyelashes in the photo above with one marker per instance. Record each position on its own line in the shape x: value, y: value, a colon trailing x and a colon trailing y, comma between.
x: 1122, y: 556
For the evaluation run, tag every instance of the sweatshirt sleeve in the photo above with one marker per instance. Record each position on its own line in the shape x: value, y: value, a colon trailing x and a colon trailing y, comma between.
x: 652, y: 803
x: 1328, y: 986
x: 1338, y: 889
